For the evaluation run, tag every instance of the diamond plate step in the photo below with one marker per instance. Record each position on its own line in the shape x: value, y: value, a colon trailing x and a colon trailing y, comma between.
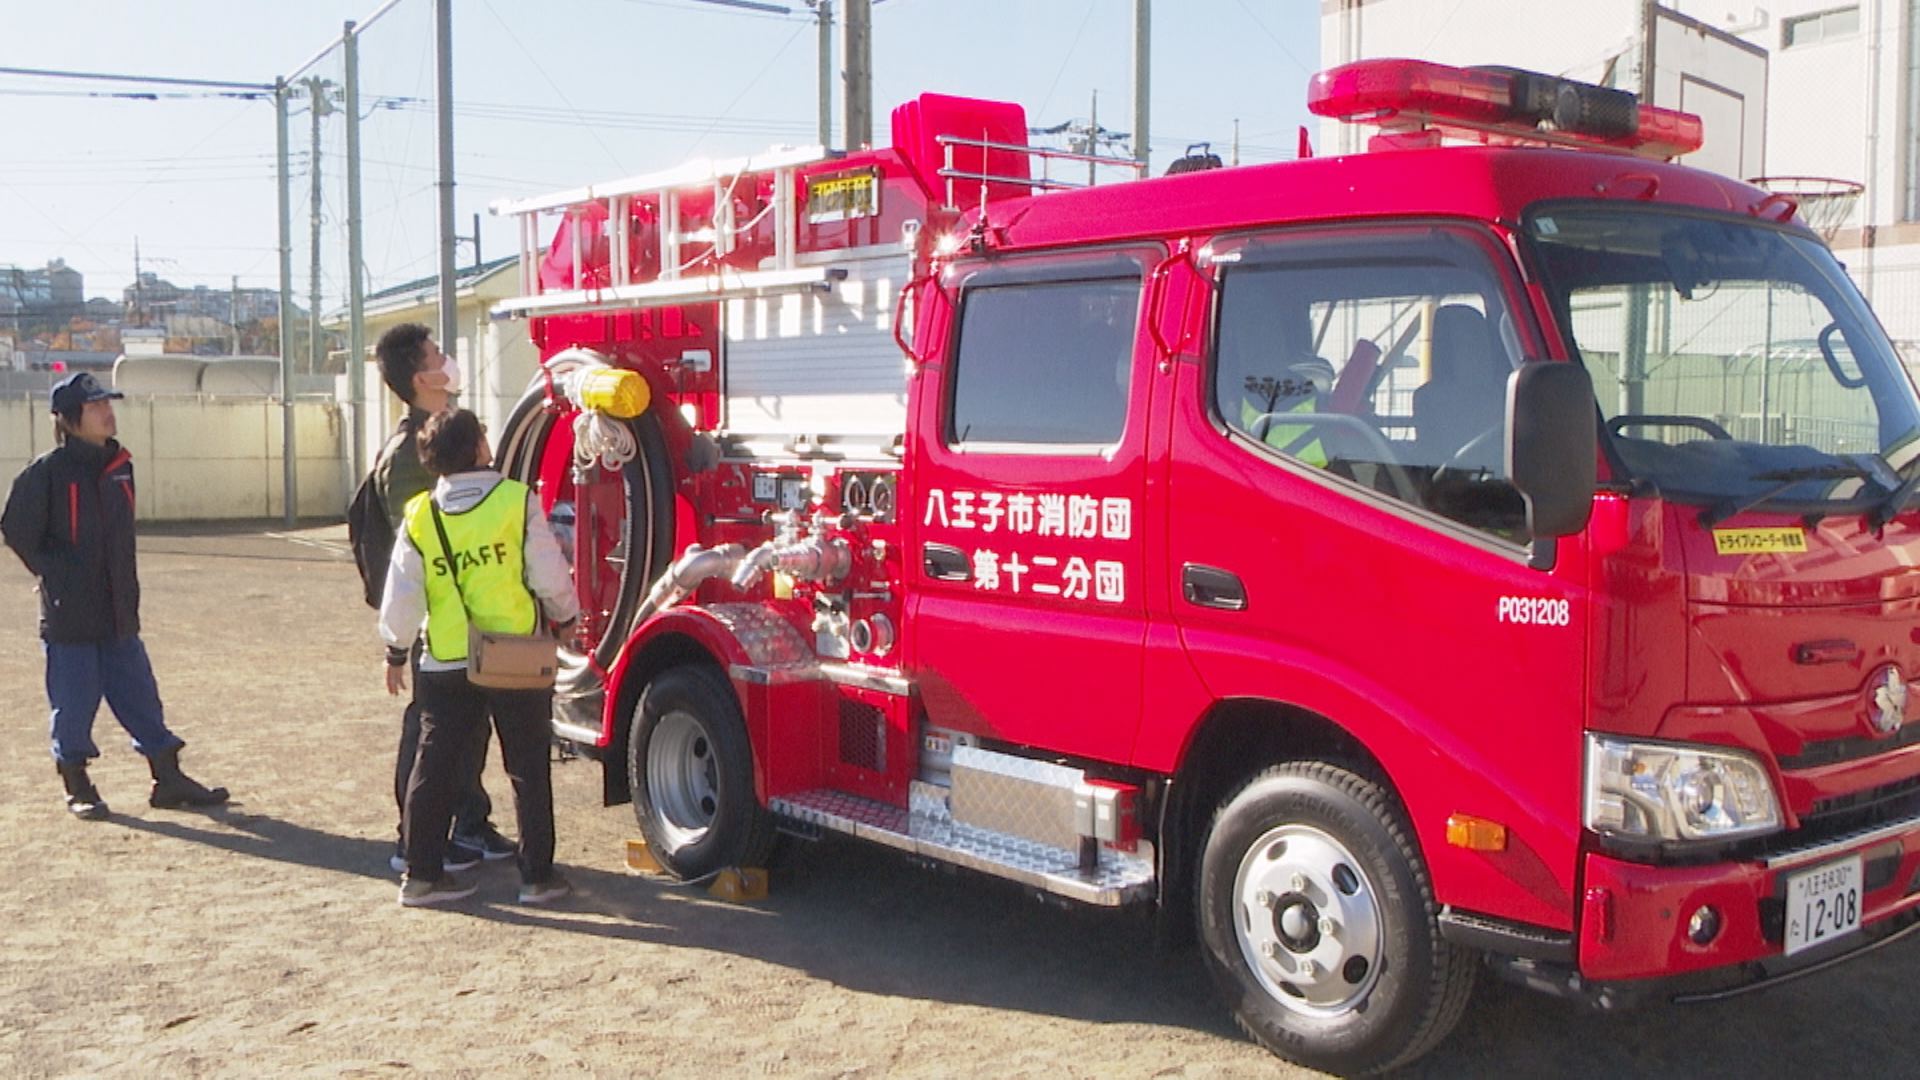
x: 927, y: 829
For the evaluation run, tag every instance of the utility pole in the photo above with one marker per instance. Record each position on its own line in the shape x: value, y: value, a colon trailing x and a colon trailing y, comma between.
x: 823, y: 11
x: 356, y: 288
x: 233, y: 314
x: 443, y: 127
x: 318, y: 107
x: 135, y: 313
x: 1142, y: 48
x: 289, y: 485
x: 1236, y: 142
x: 859, y: 50
x: 1093, y: 134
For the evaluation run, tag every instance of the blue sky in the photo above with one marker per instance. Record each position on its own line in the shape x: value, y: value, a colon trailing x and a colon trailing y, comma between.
x: 551, y: 94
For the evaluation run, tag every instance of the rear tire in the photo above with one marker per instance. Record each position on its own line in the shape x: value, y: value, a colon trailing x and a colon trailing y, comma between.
x: 690, y: 768
x: 1318, y: 923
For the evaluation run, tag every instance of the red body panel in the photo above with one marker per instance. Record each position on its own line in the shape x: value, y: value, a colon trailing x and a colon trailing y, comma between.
x: 1386, y: 625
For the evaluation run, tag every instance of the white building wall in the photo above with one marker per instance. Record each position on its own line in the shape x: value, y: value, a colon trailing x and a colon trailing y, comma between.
x: 1817, y: 120
x: 1836, y: 107
x: 203, y: 459
x: 1579, y: 40
x: 1597, y: 41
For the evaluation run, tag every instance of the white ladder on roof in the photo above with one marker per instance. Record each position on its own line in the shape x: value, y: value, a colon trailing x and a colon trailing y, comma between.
x: 681, y: 250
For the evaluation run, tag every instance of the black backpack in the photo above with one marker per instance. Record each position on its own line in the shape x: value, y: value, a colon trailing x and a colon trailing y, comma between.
x: 369, y: 531
x: 371, y: 536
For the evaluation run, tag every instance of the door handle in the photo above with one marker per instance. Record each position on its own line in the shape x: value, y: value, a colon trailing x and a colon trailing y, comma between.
x: 1211, y: 587
x: 945, y: 563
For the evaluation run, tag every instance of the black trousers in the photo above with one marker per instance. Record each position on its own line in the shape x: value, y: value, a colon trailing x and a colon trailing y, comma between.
x: 451, y: 711
x: 471, y: 807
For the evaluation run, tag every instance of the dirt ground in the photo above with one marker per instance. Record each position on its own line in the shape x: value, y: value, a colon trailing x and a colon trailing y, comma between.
x: 264, y: 939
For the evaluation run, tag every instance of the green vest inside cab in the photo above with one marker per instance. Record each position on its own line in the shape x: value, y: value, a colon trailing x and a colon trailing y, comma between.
x: 1295, y: 440
x: 488, y: 542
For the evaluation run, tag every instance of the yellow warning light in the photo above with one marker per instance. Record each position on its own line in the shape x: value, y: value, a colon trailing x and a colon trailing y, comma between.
x: 1476, y: 833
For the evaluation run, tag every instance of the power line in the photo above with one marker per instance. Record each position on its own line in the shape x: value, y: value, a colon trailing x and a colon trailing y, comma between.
x: 600, y: 118
x: 768, y: 12
x: 535, y: 61
x: 139, y: 95
x: 1066, y: 59
x: 154, y: 80
x: 764, y: 69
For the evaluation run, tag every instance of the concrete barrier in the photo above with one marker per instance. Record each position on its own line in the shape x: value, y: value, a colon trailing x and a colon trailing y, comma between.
x: 204, y: 459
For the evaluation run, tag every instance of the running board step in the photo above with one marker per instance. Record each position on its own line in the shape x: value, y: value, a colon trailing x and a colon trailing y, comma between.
x: 926, y: 828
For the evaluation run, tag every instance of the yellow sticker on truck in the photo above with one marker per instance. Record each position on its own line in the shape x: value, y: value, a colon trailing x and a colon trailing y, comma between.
x: 1759, y: 541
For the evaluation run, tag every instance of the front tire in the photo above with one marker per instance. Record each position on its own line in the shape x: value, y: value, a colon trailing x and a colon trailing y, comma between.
x: 1317, y: 921
x: 690, y: 768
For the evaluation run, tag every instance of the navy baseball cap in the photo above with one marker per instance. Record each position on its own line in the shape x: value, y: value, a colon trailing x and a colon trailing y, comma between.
x: 76, y: 390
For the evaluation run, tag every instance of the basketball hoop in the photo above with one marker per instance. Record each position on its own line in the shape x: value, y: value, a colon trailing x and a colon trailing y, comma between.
x: 1822, y: 203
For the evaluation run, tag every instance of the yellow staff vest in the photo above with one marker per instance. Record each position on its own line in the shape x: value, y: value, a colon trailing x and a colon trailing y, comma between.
x: 1287, y: 437
x: 489, y: 546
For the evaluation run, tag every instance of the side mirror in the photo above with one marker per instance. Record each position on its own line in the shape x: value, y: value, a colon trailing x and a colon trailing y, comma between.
x: 1552, y: 443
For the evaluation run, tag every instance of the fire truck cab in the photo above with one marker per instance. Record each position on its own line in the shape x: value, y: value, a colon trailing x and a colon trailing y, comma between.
x: 1388, y: 566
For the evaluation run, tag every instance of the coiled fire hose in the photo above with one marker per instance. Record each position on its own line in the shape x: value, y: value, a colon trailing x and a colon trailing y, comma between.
x: 607, y: 397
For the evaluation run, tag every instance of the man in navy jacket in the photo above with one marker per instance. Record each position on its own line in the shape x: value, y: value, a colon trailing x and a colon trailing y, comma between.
x: 70, y: 519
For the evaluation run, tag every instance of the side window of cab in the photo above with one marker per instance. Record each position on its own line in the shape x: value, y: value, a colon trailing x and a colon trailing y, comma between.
x: 1045, y: 357
x: 1378, y: 359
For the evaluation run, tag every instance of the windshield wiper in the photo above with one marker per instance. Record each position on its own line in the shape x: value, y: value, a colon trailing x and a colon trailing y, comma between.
x: 1895, y: 503
x: 1732, y: 506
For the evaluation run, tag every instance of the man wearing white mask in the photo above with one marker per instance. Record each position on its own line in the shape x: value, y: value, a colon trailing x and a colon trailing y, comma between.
x: 427, y: 379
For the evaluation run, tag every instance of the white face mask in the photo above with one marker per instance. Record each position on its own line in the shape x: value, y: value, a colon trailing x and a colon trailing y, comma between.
x: 451, y: 371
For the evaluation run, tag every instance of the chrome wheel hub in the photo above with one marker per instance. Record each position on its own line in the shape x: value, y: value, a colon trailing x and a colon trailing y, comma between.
x: 1307, y: 918
x: 682, y: 778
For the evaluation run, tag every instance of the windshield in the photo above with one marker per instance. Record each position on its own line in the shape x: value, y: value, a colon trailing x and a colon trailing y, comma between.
x: 1735, y: 363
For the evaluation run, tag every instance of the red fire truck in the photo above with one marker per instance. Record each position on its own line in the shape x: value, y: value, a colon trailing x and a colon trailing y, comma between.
x: 1385, y: 566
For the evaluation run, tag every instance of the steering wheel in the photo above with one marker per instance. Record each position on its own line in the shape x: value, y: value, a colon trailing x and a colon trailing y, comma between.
x: 1460, y: 462
x: 1700, y: 423
x: 1327, y: 425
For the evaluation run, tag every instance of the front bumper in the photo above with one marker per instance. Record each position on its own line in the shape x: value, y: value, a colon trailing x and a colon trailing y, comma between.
x: 1634, y: 917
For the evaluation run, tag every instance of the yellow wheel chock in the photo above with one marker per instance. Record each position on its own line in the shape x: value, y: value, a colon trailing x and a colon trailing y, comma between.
x: 734, y: 885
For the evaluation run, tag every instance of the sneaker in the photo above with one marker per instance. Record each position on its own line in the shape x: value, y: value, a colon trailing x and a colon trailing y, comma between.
x: 545, y: 892
x: 416, y: 893
x: 459, y: 856
x: 493, y: 847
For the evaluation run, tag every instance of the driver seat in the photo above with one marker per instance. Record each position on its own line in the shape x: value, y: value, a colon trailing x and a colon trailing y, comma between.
x: 1466, y: 394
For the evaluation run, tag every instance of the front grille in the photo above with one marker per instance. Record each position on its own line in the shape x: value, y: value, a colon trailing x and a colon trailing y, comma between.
x: 1861, y: 807
x: 1850, y: 748
x: 863, y: 735
x: 1832, y: 819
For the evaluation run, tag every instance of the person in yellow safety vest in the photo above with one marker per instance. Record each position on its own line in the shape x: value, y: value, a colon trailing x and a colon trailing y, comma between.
x: 498, y: 560
x: 1301, y: 390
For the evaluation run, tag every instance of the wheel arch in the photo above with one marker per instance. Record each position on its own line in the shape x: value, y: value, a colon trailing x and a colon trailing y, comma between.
x: 1432, y: 771
x: 676, y: 638
x: 1233, y: 742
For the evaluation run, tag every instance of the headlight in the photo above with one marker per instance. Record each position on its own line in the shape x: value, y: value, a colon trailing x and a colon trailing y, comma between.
x: 1665, y: 792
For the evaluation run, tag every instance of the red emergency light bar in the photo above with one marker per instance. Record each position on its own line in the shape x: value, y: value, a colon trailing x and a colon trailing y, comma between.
x: 1416, y: 102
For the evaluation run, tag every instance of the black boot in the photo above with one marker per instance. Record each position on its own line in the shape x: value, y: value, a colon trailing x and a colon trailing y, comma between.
x: 83, y: 799
x: 172, y: 788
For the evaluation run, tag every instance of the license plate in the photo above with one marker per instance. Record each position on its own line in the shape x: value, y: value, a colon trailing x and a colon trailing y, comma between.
x: 1823, y: 903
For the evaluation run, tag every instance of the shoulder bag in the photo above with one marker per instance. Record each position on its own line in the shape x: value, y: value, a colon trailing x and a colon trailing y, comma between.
x: 500, y: 661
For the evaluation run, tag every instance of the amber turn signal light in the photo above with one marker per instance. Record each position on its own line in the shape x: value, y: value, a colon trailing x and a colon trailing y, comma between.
x: 1475, y: 833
